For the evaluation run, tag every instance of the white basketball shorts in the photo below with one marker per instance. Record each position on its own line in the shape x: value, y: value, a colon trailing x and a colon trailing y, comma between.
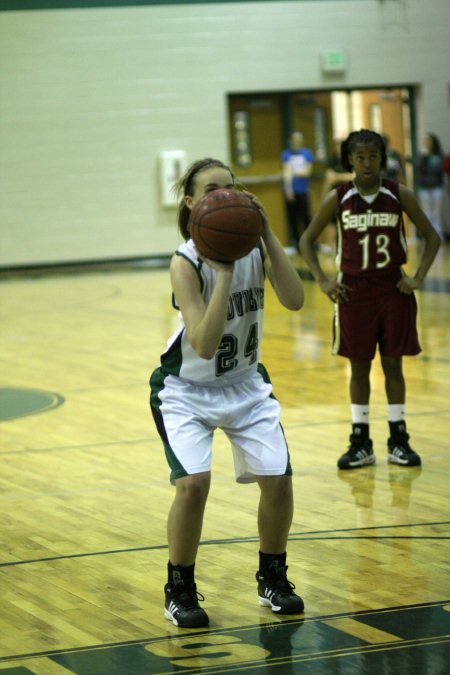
x: 187, y: 415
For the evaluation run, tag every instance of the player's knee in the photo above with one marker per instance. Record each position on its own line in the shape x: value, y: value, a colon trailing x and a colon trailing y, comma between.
x: 360, y: 369
x: 392, y: 368
x: 278, y: 488
x: 194, y: 489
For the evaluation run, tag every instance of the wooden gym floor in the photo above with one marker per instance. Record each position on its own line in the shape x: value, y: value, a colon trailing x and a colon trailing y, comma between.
x: 84, y: 495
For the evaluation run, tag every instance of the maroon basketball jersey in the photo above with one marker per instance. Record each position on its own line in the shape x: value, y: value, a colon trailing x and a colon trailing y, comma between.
x: 371, y: 236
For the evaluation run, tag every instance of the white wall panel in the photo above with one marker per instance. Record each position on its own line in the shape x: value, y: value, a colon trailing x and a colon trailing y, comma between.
x: 90, y: 98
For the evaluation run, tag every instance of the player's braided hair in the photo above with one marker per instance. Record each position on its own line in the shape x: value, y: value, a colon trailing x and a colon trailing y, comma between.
x: 185, y: 187
x: 361, y: 136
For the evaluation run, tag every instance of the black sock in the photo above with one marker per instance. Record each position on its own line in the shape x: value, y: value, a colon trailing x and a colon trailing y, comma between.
x: 270, y: 564
x: 361, y: 431
x: 397, y: 429
x: 179, y: 575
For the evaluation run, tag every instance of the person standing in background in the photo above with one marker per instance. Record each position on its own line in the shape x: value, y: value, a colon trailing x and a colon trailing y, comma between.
x: 446, y: 216
x: 394, y: 163
x: 297, y: 163
x: 374, y: 303
x: 430, y: 180
x: 446, y: 168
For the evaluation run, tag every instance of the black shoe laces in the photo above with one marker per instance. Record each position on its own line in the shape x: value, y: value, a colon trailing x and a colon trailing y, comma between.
x: 282, y: 585
x: 189, y: 600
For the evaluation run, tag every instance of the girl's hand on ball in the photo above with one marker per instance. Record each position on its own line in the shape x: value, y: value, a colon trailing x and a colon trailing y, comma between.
x: 259, y: 206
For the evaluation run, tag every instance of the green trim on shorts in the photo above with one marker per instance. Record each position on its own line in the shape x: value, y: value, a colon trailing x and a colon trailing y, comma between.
x: 157, y: 381
x: 262, y: 370
x: 177, y: 470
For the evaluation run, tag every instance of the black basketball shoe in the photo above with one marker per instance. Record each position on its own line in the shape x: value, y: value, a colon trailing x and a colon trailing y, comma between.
x: 359, y: 453
x: 400, y: 452
x: 277, y: 592
x: 182, y: 606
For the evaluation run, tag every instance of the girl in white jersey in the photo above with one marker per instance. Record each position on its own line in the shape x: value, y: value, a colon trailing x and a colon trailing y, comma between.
x: 210, y: 377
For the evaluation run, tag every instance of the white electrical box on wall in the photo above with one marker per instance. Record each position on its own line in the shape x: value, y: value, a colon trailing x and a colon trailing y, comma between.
x: 172, y: 167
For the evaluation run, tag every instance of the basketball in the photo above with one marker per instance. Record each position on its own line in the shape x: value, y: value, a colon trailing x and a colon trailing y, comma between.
x: 225, y: 225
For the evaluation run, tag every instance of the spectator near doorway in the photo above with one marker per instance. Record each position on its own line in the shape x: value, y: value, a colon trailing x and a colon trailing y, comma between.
x: 297, y: 164
x: 446, y: 209
x: 430, y: 179
x: 394, y: 163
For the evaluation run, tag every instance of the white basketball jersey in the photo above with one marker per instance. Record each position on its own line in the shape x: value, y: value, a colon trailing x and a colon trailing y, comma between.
x: 238, y: 353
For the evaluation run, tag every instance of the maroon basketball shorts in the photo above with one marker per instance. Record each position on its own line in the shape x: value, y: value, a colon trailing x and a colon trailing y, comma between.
x: 376, y: 314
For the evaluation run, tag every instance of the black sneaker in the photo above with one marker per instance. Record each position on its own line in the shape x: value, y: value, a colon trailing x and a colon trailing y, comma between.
x: 278, y: 593
x: 400, y: 452
x: 359, y: 453
x: 182, y: 607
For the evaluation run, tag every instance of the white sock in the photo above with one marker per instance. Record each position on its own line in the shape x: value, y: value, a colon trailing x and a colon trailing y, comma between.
x: 396, y: 412
x: 360, y: 414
